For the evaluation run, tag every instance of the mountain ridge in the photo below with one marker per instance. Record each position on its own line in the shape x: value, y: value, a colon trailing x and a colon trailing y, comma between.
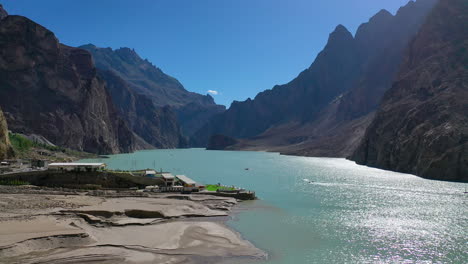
x: 421, y: 126
x: 323, y: 110
x: 192, y: 109
x: 157, y: 126
x: 53, y: 90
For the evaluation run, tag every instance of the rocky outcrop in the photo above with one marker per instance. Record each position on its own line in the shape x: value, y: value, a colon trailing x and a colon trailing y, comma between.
x: 326, y: 109
x: 3, y: 13
x: 193, y: 110
x: 52, y: 90
x: 5, y: 148
x: 422, y: 124
x: 155, y: 125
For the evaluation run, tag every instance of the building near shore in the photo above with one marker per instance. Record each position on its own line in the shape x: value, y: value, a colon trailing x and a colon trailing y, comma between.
x: 186, y: 181
x: 87, y: 167
x: 169, y: 179
x: 150, y: 173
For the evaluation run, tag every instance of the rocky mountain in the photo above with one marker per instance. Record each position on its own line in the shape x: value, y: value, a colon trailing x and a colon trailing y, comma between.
x: 326, y: 109
x: 192, y: 109
x: 3, y: 12
x: 220, y: 142
x: 421, y: 126
x: 52, y: 90
x: 5, y: 148
x: 297, y: 101
x: 156, y: 126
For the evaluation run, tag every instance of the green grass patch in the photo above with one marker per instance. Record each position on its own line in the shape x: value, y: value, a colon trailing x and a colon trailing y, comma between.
x: 24, y: 148
x: 214, y: 188
x: 13, y: 182
x: 22, y: 144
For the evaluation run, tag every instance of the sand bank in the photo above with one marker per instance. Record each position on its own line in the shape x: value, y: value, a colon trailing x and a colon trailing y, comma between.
x: 77, y: 228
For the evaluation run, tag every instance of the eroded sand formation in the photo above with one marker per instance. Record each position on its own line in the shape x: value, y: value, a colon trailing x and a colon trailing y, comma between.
x: 46, y: 226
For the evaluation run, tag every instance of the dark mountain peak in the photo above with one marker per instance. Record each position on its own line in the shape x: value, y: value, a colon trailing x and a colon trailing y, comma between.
x: 409, y: 6
x: 28, y: 31
x: 382, y: 15
x: 88, y: 46
x: 377, y: 23
x: 209, y: 99
x: 415, y: 7
x: 341, y: 28
x: 126, y: 54
x: 129, y: 55
x: 127, y: 51
x: 3, y: 13
x: 340, y: 34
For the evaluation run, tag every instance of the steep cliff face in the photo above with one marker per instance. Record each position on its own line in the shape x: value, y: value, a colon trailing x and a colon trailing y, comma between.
x: 5, y: 148
x: 156, y: 125
x: 193, y: 110
x: 3, y: 13
x: 52, y: 90
x: 326, y: 109
x: 382, y: 42
x: 422, y: 124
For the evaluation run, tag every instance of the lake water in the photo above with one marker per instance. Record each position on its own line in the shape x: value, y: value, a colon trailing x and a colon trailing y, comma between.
x: 349, y: 214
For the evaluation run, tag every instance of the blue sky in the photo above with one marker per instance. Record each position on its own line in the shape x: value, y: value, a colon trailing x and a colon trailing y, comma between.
x: 235, y: 47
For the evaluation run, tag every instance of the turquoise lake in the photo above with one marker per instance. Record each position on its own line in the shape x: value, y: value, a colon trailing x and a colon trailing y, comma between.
x: 348, y: 214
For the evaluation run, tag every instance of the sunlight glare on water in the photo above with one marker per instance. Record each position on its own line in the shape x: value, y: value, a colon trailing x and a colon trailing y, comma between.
x: 326, y: 210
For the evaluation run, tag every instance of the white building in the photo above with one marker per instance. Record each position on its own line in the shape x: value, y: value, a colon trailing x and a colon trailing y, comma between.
x: 168, y: 179
x: 186, y: 181
x: 150, y: 173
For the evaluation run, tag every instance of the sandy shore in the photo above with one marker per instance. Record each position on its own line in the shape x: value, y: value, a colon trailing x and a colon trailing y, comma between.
x: 48, y: 226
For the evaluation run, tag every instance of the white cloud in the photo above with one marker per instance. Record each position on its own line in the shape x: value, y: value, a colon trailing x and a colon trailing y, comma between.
x: 212, y: 92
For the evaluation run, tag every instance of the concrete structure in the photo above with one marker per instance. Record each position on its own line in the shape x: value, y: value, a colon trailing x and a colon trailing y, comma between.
x: 186, y: 181
x: 168, y: 179
x: 77, y: 166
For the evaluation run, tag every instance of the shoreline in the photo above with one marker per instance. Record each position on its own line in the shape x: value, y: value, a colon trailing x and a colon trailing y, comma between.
x: 62, y: 226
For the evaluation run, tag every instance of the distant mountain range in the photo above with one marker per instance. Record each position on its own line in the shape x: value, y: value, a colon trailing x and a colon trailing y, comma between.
x: 393, y: 96
x: 122, y: 105
x: 326, y: 109
x: 192, y: 109
x: 414, y: 61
